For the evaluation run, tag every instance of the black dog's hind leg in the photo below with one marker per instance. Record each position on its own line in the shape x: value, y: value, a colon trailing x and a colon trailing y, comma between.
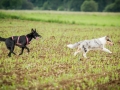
x: 13, y: 53
x: 9, y: 54
x: 10, y: 46
x: 11, y: 49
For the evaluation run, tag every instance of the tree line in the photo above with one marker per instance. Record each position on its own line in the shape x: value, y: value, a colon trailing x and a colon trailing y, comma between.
x: 63, y: 5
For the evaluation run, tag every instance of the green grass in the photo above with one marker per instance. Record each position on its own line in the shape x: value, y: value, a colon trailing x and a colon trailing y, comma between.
x: 95, y: 19
x: 50, y: 64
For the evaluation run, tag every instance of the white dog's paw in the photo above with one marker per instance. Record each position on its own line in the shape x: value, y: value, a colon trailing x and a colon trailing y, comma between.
x: 110, y: 52
x: 75, y: 53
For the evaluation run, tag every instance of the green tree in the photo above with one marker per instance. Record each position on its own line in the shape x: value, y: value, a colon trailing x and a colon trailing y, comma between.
x: 75, y: 5
x: 46, y: 6
x: 65, y: 5
x: 10, y: 4
x: 89, y: 6
x: 102, y: 4
x: 114, y: 7
x: 27, y: 5
x: 52, y: 4
x: 38, y: 3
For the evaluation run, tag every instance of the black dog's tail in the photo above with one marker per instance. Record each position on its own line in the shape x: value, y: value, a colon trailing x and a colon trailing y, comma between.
x: 2, y: 39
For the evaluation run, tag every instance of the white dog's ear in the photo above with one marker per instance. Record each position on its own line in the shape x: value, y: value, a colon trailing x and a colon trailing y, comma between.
x: 107, y: 37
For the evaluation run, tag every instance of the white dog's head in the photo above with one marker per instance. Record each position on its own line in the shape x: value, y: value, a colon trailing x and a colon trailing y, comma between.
x: 109, y: 41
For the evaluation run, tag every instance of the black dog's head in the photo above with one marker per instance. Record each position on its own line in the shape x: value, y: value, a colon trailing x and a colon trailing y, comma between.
x: 35, y: 34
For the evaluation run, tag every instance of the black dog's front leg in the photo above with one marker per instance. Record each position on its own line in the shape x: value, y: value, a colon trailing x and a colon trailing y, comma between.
x: 27, y: 49
x: 22, y: 51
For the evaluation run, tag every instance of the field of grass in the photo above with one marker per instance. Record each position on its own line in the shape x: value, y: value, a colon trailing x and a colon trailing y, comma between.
x: 94, y: 19
x: 50, y: 64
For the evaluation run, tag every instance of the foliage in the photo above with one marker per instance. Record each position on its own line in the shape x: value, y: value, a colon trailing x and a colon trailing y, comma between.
x: 27, y: 5
x: 114, y: 7
x: 75, y: 5
x: 46, y: 6
x: 89, y: 6
x: 103, y: 3
x: 10, y: 4
x: 63, y: 5
x: 15, y: 4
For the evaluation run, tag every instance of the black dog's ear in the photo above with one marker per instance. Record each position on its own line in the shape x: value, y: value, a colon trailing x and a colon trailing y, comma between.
x: 32, y: 30
x: 35, y: 29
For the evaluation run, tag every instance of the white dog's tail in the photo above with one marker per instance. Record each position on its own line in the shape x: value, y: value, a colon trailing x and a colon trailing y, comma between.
x: 73, y: 45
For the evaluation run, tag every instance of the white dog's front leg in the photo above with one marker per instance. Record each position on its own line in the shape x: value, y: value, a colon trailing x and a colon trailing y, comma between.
x: 76, y: 53
x: 84, y: 54
x: 106, y: 50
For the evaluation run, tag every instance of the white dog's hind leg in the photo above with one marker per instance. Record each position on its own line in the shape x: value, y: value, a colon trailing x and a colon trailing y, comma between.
x: 106, y: 50
x: 78, y: 51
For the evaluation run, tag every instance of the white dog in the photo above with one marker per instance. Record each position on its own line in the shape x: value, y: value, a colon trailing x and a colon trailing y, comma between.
x: 93, y: 44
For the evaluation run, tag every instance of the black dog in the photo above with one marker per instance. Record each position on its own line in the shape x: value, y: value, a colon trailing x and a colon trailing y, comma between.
x: 20, y: 41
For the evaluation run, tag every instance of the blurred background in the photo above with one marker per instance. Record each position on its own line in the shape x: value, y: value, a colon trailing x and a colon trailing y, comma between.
x: 62, y: 5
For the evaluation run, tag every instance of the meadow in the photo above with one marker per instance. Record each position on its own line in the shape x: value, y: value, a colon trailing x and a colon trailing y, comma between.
x: 50, y: 64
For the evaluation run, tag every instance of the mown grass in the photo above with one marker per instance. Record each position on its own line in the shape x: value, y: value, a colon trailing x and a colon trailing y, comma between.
x: 95, y: 19
x: 51, y: 65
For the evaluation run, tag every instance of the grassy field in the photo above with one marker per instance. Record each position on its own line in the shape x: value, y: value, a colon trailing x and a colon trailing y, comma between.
x: 50, y: 64
x: 93, y: 19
